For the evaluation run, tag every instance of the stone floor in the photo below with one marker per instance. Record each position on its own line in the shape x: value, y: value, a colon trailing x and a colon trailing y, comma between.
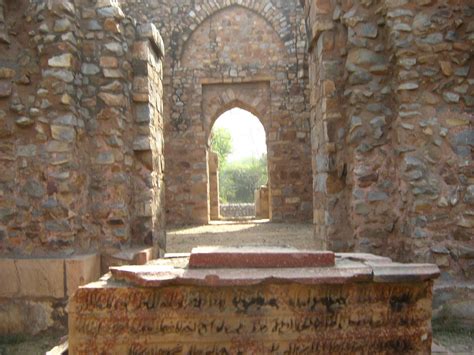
x: 240, y: 233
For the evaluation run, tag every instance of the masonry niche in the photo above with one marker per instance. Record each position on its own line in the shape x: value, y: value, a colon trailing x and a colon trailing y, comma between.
x: 238, y: 56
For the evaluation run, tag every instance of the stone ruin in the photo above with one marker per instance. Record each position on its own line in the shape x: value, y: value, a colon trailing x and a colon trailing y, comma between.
x: 257, y: 301
x: 106, y: 107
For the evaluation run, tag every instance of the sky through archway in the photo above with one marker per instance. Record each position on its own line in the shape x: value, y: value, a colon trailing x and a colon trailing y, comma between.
x: 248, y: 134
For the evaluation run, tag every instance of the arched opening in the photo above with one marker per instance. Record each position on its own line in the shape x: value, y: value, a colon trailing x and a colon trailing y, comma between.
x: 238, y: 167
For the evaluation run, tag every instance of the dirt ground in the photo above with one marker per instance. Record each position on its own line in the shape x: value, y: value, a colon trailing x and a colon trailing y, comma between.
x: 244, y: 233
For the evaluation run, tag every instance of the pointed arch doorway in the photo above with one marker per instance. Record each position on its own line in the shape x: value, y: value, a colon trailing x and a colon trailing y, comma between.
x: 238, y: 167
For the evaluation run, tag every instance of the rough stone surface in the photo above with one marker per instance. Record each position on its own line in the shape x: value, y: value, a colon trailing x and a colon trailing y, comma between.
x: 391, y: 130
x: 71, y: 183
x: 20, y: 317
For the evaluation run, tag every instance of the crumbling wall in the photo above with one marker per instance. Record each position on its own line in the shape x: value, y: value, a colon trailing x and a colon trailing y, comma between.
x: 392, y: 112
x: 81, y: 150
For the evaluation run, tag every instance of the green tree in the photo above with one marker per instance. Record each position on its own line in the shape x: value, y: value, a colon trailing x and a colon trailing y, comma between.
x: 221, y: 143
x: 239, y: 180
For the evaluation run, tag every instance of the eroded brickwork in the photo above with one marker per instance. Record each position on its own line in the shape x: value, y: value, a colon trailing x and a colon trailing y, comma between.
x: 80, y: 146
x: 392, y: 96
x: 81, y: 150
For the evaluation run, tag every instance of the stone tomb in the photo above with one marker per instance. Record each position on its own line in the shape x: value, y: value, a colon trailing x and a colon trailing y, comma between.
x: 256, y: 301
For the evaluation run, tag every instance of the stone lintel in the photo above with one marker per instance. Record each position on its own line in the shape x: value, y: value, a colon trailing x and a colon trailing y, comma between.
x: 255, y: 257
x: 150, y: 32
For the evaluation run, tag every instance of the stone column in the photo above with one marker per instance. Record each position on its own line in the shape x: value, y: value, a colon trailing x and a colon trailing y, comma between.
x: 262, y: 203
x: 214, y: 185
x: 44, y: 183
x: 327, y: 41
x: 106, y: 71
x: 148, y: 144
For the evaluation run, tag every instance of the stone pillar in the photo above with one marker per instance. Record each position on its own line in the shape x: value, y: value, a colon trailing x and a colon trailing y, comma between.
x: 107, y: 100
x: 214, y: 185
x: 371, y: 168
x: 148, y: 144
x: 327, y: 40
x: 262, y: 203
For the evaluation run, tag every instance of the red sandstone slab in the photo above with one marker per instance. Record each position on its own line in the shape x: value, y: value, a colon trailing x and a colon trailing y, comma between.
x: 159, y: 276
x: 258, y: 257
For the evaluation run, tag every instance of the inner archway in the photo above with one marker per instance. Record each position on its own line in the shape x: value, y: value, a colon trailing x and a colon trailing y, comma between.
x: 238, y: 167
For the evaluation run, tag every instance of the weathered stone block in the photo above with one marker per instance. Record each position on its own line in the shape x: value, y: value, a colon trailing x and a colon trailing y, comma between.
x: 320, y: 309
x: 8, y: 279
x: 40, y: 277
x: 81, y: 270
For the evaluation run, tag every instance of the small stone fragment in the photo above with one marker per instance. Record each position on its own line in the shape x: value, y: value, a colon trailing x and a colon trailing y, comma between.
x: 7, y: 73
x: 89, y: 69
x: 451, y: 97
x: 61, y: 61
x: 24, y: 121
x: 446, y: 67
x: 5, y: 89
x: 408, y: 86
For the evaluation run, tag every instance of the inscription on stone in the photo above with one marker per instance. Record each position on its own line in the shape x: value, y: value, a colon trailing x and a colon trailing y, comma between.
x: 273, y: 319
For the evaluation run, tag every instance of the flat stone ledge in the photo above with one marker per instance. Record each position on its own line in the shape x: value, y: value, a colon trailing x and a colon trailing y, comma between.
x: 347, y: 268
x: 158, y: 276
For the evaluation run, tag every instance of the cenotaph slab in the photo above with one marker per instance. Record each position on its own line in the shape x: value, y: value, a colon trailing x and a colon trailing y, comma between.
x: 256, y: 301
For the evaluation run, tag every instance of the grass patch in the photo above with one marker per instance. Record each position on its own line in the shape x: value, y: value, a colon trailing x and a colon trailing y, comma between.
x: 12, y: 339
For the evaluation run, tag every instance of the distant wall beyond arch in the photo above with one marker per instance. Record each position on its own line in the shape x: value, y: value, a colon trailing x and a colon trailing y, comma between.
x: 234, y: 53
x: 244, y: 29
